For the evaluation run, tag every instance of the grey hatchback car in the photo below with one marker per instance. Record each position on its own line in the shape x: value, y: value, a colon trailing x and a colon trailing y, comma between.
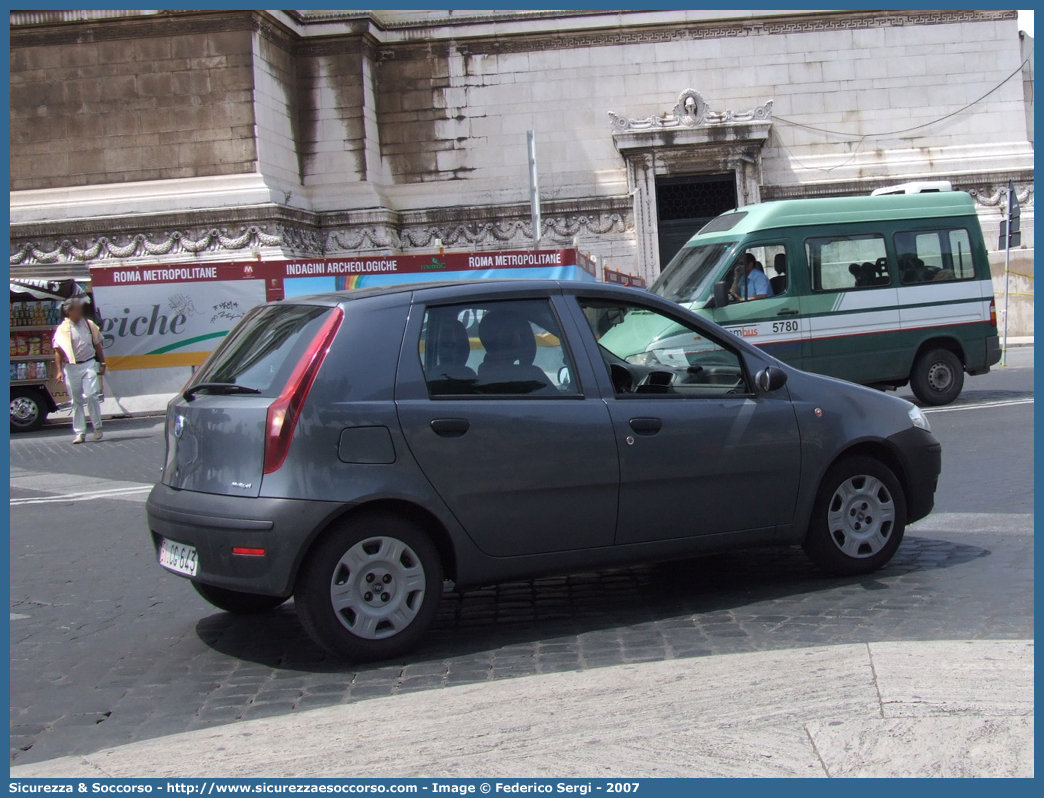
x: 355, y: 450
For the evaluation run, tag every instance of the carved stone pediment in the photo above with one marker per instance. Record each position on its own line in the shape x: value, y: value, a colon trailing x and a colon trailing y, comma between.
x: 695, y: 121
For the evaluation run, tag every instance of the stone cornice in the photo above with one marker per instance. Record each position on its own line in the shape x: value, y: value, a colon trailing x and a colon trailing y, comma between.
x: 981, y: 185
x: 663, y: 32
x: 382, y: 22
x: 42, y: 28
x: 131, y: 224
x: 166, y: 23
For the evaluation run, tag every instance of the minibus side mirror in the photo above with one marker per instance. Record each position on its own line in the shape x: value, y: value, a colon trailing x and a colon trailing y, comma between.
x: 771, y: 379
x: 721, y: 294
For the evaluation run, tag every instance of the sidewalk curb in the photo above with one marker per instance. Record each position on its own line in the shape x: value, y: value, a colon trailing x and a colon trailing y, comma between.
x: 846, y: 710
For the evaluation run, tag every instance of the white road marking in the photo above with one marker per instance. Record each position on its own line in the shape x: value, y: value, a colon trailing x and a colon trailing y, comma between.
x: 114, y: 493
x: 60, y: 487
x: 978, y: 406
x: 18, y: 617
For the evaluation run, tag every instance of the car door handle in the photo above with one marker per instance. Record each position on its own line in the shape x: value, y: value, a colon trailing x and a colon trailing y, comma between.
x: 788, y: 312
x: 450, y: 427
x: 646, y: 426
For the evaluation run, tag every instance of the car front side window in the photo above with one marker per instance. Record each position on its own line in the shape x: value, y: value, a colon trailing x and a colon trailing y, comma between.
x: 648, y: 353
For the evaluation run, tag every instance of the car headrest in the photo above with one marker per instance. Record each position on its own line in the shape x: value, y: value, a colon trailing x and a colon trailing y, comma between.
x: 507, y: 338
x: 454, y: 346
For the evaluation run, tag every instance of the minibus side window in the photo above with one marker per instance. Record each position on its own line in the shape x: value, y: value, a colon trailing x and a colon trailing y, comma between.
x: 928, y: 256
x: 846, y: 263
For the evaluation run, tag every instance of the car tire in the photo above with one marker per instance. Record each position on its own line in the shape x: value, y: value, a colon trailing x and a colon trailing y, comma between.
x: 28, y: 411
x: 937, y: 377
x: 858, y: 519
x: 237, y: 602
x: 335, y: 595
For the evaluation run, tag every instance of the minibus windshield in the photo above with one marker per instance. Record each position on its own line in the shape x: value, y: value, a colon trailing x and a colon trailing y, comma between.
x: 690, y: 271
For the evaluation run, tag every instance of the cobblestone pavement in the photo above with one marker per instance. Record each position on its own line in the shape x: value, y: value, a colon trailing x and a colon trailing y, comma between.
x: 106, y: 648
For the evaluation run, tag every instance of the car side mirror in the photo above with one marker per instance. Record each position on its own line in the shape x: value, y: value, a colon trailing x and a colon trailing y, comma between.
x: 771, y: 379
x: 721, y: 294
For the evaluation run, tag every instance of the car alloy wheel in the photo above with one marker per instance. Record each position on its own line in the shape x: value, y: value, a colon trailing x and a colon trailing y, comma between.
x: 861, y: 516
x: 377, y: 588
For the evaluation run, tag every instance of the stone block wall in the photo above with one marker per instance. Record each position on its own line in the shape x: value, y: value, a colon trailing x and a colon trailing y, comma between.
x: 460, y: 110
x: 355, y: 132
x: 1020, y: 290
x: 129, y: 109
x: 331, y: 127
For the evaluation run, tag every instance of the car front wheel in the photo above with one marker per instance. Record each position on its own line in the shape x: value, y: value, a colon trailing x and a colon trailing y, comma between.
x: 858, y: 519
x: 370, y: 588
x: 236, y: 601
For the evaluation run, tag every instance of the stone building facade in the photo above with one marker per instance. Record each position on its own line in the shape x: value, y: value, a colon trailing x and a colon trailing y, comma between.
x: 187, y: 136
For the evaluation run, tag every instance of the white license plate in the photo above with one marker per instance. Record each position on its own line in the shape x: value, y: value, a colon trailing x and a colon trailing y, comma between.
x: 178, y: 557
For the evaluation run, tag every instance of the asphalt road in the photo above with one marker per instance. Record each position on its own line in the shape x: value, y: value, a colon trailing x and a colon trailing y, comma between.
x: 106, y: 648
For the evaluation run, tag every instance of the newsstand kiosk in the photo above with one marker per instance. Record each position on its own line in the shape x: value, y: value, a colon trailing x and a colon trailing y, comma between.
x: 35, y: 313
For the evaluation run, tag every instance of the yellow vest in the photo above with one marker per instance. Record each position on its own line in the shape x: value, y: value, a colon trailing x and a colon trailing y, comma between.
x: 63, y: 338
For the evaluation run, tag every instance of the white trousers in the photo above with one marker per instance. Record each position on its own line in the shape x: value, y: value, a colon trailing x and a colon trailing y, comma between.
x: 83, y: 384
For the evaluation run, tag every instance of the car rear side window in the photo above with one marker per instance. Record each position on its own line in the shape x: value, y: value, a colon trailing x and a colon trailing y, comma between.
x: 262, y: 350
x: 844, y: 263
x: 507, y: 348
x: 929, y: 256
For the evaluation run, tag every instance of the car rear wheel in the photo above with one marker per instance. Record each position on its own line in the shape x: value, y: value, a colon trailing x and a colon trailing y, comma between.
x: 370, y: 588
x: 236, y: 601
x: 937, y: 377
x: 858, y: 519
x: 28, y: 411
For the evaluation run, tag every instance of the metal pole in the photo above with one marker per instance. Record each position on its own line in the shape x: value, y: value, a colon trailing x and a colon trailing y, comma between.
x: 1007, y: 265
x: 534, y: 190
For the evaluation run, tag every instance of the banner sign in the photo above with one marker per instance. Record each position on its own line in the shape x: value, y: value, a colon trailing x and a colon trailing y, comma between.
x: 157, y: 316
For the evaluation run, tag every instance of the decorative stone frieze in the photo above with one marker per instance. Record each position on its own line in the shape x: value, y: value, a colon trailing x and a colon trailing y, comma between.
x: 152, y: 244
x: 690, y: 111
x: 307, y: 235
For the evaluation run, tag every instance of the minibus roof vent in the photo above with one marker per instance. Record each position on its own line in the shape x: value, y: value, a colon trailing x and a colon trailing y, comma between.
x: 916, y: 187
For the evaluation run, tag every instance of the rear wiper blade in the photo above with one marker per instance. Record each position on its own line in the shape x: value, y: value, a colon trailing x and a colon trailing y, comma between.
x: 217, y: 387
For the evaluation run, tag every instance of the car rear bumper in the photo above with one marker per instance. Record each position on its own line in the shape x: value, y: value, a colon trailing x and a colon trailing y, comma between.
x: 921, y: 453
x: 214, y: 524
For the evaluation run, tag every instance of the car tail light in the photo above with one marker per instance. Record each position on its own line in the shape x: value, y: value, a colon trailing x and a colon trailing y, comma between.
x: 993, y: 311
x: 284, y: 411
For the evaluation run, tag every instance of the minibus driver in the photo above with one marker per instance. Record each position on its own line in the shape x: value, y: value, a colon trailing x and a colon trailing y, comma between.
x: 754, y: 284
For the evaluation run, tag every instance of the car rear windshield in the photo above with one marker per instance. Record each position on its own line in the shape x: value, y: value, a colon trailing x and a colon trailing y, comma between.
x: 261, y: 351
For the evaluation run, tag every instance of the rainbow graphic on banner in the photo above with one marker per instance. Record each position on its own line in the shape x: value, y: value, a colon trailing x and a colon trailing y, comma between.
x: 349, y: 281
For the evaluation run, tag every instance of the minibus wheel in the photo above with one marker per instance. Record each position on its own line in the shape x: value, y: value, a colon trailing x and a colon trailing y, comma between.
x: 937, y: 377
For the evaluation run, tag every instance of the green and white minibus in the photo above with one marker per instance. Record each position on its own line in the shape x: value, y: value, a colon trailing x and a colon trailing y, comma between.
x: 880, y: 290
